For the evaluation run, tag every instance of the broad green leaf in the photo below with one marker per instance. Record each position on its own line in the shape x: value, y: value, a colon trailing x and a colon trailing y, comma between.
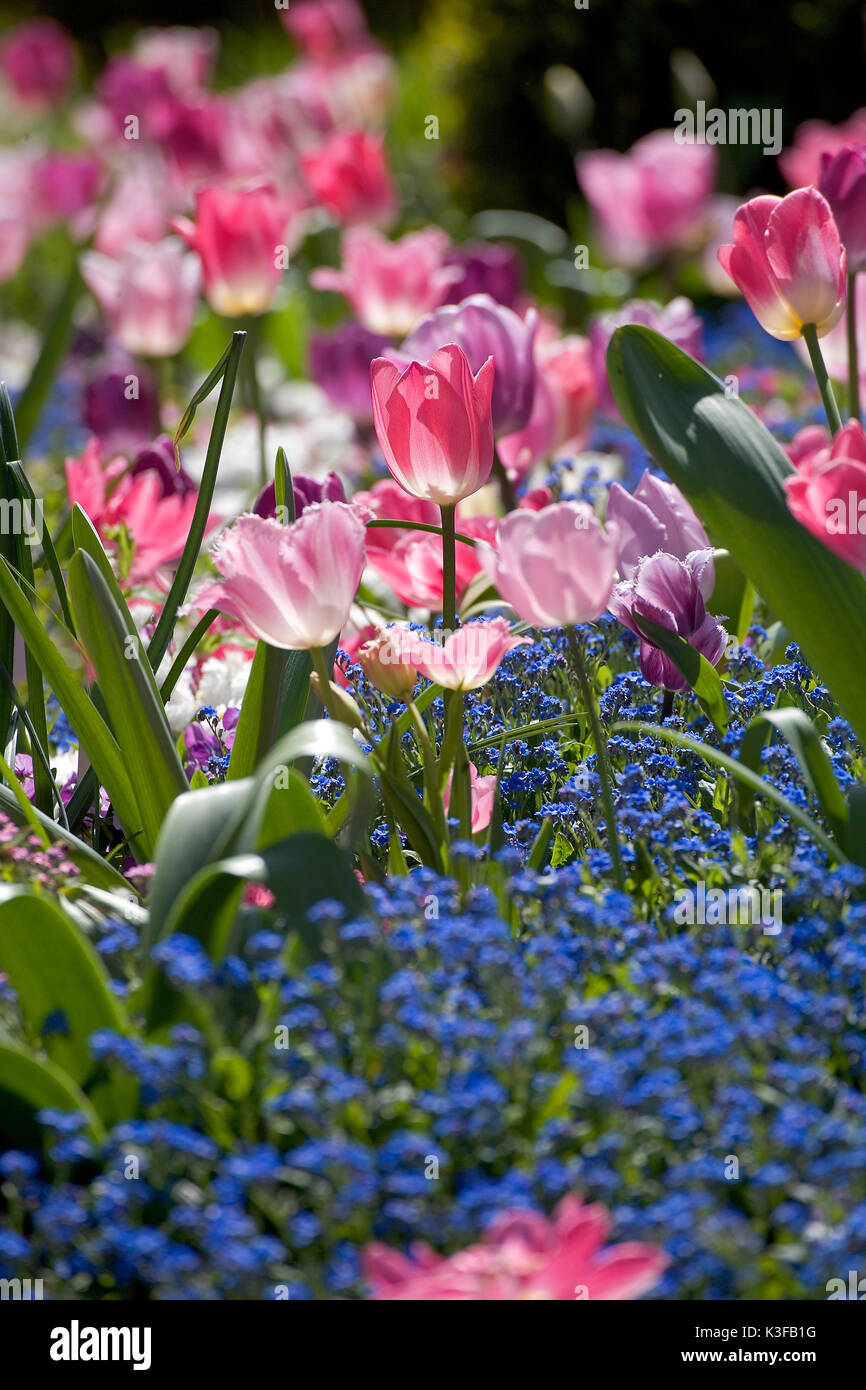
x: 96, y: 738
x: 128, y: 687
x: 275, y: 676
x: 733, y: 597
x: 29, y: 1084
x: 805, y: 741
x: 701, y: 676
x: 61, y: 983
x: 732, y: 471
x: 855, y: 841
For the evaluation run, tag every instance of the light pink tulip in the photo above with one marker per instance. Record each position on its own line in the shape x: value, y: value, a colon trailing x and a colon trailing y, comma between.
x: 394, y: 678
x: 555, y: 567
x: 137, y: 210
x: 390, y: 284
x: 522, y: 1256
x: 788, y: 261
x: 434, y: 424
x: 290, y: 586
x: 654, y: 517
x: 348, y: 175
x: 648, y: 200
x: 17, y: 214
x: 562, y: 407
x: 827, y: 494
x: 149, y: 296
x: 465, y: 660
x: 483, y: 798
x: 242, y: 236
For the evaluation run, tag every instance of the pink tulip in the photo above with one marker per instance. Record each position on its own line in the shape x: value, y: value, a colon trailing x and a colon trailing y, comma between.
x: 555, y: 567
x: 654, y: 517
x: 843, y: 184
x: 38, y: 61
x: 465, y: 660
x: 185, y: 56
x: 649, y: 200
x: 522, y: 1256
x: 326, y: 29
x: 801, y: 163
x: 290, y: 586
x: 149, y: 296
x: 65, y: 186
x: 562, y: 407
x: 788, y: 261
x: 242, y: 237
x: 676, y: 321
x: 396, y: 679
x: 482, y: 792
x: 137, y: 210
x: 348, y: 176
x: 827, y: 494
x: 434, y: 424
x: 17, y: 219
x: 390, y: 284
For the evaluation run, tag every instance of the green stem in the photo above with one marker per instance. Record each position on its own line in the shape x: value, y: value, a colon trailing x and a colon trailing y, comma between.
x: 506, y: 487
x: 320, y: 666
x: 600, y: 742
x: 449, y: 569
x: 853, y: 355
x: 831, y: 409
x: 429, y: 761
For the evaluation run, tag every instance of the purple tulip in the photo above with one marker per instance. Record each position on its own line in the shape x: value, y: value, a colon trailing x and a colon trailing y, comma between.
x: 671, y: 592
x: 158, y: 458
x: 843, y: 183
x: 120, y: 407
x: 305, y: 491
x: 676, y: 321
x: 488, y: 268
x: 340, y: 364
x: 483, y: 328
x: 654, y: 517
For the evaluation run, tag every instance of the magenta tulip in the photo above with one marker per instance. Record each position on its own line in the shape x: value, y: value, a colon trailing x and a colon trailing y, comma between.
x: 38, y: 61
x: 149, y: 296
x: 290, y: 586
x: 788, y: 261
x: 671, y: 592
x: 434, y: 425
x: 843, y: 184
x: 555, y: 567
x: 654, y: 517
x: 243, y: 236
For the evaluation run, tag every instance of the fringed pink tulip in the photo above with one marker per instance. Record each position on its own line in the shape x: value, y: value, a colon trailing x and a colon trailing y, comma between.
x: 434, y: 424
x: 522, y: 1256
x: 465, y: 660
x: 827, y: 494
x: 555, y: 567
x: 243, y: 236
x: 290, y: 586
x: 788, y: 261
x: 149, y: 296
x: 390, y: 284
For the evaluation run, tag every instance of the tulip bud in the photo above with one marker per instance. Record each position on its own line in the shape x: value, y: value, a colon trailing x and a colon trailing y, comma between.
x: 338, y: 701
x: 384, y: 667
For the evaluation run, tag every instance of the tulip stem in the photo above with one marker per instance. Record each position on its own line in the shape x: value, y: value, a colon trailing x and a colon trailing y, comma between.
x: 320, y: 666
x: 506, y: 487
x: 831, y: 409
x: 853, y: 363
x: 601, y: 757
x: 449, y: 569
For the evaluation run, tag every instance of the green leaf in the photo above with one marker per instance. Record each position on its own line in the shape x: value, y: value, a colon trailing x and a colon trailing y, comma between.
x: 733, y: 597
x: 694, y: 668
x: 276, y: 693
x: 59, y: 980
x: 743, y: 774
x: 805, y: 741
x: 131, y: 697
x: 96, y: 738
x: 855, y: 842
x: 53, y: 350
x: 226, y: 371
x: 28, y: 1085
x: 732, y: 471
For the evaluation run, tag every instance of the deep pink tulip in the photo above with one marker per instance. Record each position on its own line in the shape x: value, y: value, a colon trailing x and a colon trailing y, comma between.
x: 522, y: 1256
x: 654, y: 517
x: 149, y: 296
x: 800, y: 164
x: 788, y: 261
x: 676, y: 321
x: 482, y: 792
x: 290, y: 586
x: 390, y: 284
x: 843, y: 184
x: 434, y: 424
x: 65, y: 186
x: 671, y: 592
x: 555, y: 567
x: 827, y: 494
x: 326, y: 29
x: 483, y: 328
x: 562, y: 407
x: 242, y: 236
x: 648, y: 200
x: 465, y: 660
x: 38, y: 61
x: 348, y: 175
